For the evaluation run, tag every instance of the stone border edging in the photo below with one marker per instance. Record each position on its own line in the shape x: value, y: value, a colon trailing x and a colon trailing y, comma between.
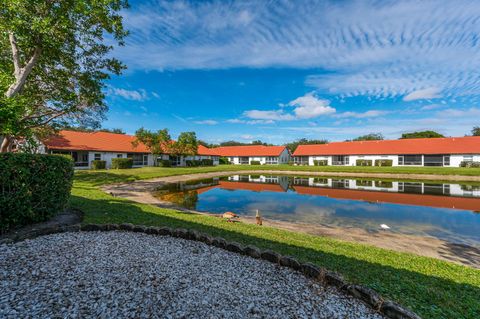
x: 368, y: 296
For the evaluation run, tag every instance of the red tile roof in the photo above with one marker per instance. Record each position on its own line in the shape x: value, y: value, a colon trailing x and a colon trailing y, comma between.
x: 94, y: 141
x: 393, y: 197
x: 448, y: 145
x: 103, y: 142
x: 250, y: 150
x: 202, y: 150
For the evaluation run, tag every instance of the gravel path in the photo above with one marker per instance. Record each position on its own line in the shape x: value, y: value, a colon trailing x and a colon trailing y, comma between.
x: 119, y: 274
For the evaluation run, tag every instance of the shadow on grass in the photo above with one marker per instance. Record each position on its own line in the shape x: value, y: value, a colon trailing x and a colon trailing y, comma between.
x: 428, y: 295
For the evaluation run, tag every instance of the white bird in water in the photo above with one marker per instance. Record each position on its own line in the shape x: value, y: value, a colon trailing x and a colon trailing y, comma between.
x: 384, y: 226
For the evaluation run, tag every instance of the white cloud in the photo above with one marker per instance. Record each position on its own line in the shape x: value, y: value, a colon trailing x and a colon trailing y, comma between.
x: 206, y: 122
x: 307, y: 106
x: 431, y: 107
x: 424, y: 94
x: 367, y: 114
x: 472, y: 112
x: 135, y: 95
x: 279, y: 115
x: 310, y: 106
x: 250, y: 122
x: 373, y: 48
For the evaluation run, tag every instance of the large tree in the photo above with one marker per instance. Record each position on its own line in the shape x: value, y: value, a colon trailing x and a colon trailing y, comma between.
x: 476, y: 131
x: 292, y: 146
x: 158, y: 142
x: 186, y: 144
x: 54, y: 60
x: 369, y: 137
x: 422, y: 134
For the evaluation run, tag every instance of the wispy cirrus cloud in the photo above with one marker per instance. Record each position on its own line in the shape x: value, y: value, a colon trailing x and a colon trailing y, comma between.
x: 383, y: 49
x: 206, y: 122
x: 134, y: 95
x: 424, y: 94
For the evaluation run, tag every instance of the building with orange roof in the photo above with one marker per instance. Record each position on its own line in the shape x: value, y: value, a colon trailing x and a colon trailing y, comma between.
x: 263, y: 154
x: 448, y: 152
x: 85, y: 147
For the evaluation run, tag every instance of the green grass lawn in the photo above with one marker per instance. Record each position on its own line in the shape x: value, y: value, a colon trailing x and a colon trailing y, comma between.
x: 431, y: 287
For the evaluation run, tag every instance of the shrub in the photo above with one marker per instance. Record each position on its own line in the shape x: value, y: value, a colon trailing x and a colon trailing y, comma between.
x: 470, y: 164
x: 98, y: 164
x: 224, y: 161
x: 33, y: 187
x: 291, y: 163
x: 362, y: 162
x: 207, y: 162
x: 384, y: 162
x: 254, y: 162
x: 164, y: 163
x: 122, y: 163
x: 320, y: 162
x: 193, y: 163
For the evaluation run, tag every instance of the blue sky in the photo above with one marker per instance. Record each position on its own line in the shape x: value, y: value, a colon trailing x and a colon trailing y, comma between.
x: 282, y: 70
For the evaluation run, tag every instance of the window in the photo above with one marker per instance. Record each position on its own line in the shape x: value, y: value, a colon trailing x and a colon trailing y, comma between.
x: 244, y: 160
x: 468, y: 158
x: 410, y: 160
x: 446, y: 160
x: 138, y: 159
x: 340, y: 160
x: 119, y: 155
x: 300, y: 160
x: 272, y: 160
x: 433, y: 160
x: 97, y: 156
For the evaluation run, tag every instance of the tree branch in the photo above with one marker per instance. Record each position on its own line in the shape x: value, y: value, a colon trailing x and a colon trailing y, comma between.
x: 15, y: 54
x: 21, y: 74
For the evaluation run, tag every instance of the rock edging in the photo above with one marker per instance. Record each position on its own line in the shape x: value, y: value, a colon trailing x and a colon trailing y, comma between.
x: 371, y: 298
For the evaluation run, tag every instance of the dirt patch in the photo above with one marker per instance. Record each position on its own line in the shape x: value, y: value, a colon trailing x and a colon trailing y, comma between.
x: 140, y: 191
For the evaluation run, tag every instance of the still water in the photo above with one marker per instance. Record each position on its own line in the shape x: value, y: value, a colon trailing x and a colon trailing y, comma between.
x: 445, y: 211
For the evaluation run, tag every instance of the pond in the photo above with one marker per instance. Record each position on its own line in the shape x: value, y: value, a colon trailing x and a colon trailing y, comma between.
x: 446, y: 211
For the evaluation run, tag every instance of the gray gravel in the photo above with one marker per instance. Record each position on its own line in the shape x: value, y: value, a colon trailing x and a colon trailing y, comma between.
x: 119, y: 274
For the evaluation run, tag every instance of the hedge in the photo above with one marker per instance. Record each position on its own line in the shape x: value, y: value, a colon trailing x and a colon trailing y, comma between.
x: 362, y: 162
x: 384, y: 162
x: 122, y: 163
x: 164, y: 163
x: 98, y: 164
x: 320, y: 162
x: 470, y: 164
x: 33, y: 187
x: 207, y: 162
x: 224, y: 161
x: 193, y: 163
x: 254, y: 162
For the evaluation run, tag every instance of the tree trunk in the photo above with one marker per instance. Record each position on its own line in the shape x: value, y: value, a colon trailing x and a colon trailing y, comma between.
x: 6, y: 144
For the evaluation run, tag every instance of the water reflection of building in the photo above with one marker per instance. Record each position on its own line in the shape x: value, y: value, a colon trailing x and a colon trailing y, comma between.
x: 283, y: 181
x: 391, y: 186
x: 440, y: 195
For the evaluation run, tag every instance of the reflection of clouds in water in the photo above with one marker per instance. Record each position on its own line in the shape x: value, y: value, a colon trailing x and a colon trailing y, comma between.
x: 209, y: 199
x: 278, y: 207
x: 369, y: 207
x: 314, y: 210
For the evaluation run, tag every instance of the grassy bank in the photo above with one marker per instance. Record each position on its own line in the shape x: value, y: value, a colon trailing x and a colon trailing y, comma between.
x: 432, y: 288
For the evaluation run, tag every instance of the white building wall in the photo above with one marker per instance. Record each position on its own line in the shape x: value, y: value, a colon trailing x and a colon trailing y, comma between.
x: 455, y: 160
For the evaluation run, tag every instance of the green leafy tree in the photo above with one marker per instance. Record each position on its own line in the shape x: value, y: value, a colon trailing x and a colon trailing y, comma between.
x: 54, y: 62
x: 476, y: 131
x: 186, y: 144
x: 422, y: 134
x: 158, y: 142
x: 369, y: 137
x: 292, y: 146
